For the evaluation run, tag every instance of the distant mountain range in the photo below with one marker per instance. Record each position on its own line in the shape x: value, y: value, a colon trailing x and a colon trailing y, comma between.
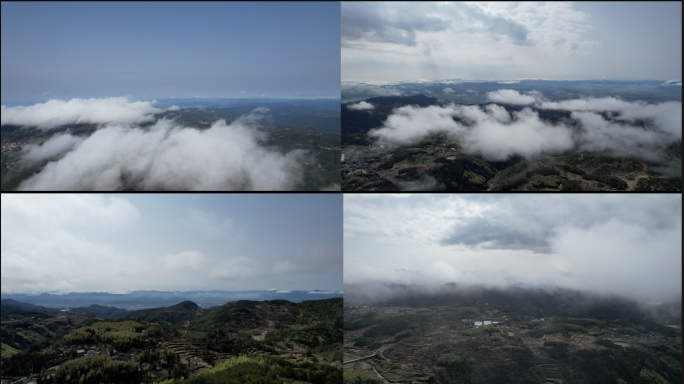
x: 240, y: 314
x: 221, y: 102
x: 154, y: 299
x: 400, y: 101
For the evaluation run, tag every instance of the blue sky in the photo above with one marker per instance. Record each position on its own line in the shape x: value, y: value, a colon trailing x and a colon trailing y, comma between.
x: 146, y: 50
x: 117, y: 243
x: 384, y: 42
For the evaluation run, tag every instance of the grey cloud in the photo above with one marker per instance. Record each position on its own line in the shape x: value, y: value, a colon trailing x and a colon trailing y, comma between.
x: 376, y: 22
x: 489, y: 235
x: 370, y: 90
x: 592, y: 242
x: 518, y: 223
x: 398, y: 23
x: 497, y: 25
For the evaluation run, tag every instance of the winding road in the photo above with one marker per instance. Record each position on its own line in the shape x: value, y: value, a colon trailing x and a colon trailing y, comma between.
x: 359, y: 359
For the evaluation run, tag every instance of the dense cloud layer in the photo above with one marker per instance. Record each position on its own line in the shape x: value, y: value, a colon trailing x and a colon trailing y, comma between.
x: 76, y: 111
x: 167, y: 156
x: 498, y: 134
x: 591, y: 242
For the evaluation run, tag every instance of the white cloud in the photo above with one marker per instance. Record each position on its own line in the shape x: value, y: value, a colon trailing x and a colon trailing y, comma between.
x: 54, y: 211
x: 498, y: 134
x: 55, y: 146
x: 41, y: 232
x: 492, y: 132
x: 307, y: 260
x: 599, y: 134
x: 243, y: 92
x: 667, y: 116
x: 361, y: 106
x: 168, y: 156
x: 75, y: 111
x: 448, y: 90
x: 173, y: 108
x: 508, y: 96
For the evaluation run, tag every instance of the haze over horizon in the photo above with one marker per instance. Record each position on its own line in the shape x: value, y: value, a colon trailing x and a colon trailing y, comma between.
x: 119, y: 243
x: 147, y: 50
x: 392, y: 42
x: 607, y: 244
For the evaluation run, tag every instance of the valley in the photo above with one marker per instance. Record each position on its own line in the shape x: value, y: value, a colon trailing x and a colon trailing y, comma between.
x: 440, y: 344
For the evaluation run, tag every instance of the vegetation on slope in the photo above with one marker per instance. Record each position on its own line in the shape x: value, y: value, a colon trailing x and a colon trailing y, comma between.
x: 264, y: 370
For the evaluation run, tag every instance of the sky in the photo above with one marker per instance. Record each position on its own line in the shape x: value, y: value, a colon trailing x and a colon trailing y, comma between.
x: 148, y: 50
x: 628, y: 245
x: 120, y: 243
x: 384, y: 42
